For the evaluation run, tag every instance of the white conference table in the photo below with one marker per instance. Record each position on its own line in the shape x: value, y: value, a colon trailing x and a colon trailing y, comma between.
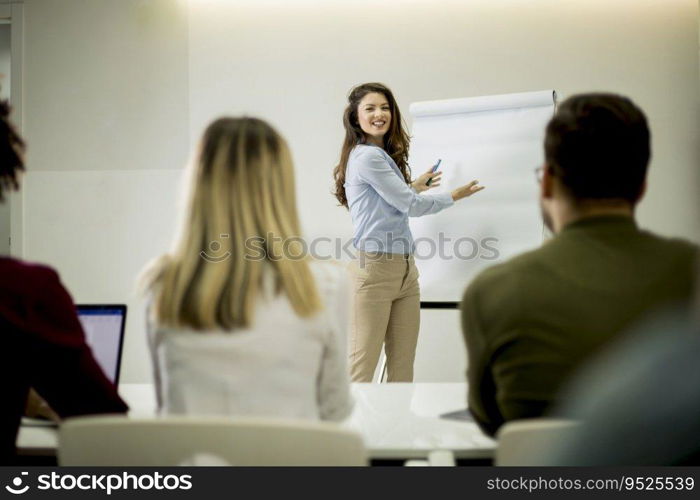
x: 397, y: 421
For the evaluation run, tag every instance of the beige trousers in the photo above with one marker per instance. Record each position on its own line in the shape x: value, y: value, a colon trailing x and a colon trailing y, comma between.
x: 387, y: 311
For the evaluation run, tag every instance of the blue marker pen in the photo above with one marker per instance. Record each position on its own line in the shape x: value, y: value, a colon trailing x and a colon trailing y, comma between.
x: 433, y: 171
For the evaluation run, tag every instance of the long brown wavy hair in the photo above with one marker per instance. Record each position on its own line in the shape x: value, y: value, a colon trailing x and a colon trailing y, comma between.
x: 396, y: 140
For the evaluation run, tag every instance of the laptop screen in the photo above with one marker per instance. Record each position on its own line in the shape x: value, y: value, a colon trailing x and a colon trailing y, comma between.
x: 104, y: 331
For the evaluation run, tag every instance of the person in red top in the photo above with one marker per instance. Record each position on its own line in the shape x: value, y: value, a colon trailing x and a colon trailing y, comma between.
x: 43, y: 343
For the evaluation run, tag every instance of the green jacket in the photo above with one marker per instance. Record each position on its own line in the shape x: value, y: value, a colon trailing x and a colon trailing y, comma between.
x: 530, y: 322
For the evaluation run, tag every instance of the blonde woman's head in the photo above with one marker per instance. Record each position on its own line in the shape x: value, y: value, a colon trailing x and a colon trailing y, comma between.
x: 241, y: 222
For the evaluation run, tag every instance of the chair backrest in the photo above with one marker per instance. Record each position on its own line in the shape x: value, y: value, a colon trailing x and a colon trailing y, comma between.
x: 165, y: 441
x: 525, y: 442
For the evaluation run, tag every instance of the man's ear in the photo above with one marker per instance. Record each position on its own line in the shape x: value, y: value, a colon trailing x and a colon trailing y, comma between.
x: 642, y: 191
x: 547, y: 184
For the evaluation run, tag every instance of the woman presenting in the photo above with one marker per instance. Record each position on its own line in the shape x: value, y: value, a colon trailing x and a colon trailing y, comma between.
x: 373, y: 181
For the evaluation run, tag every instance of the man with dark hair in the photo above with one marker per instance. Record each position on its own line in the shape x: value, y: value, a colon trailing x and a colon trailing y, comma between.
x: 530, y: 322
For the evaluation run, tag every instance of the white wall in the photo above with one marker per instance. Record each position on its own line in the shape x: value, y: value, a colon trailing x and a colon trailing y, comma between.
x: 5, y: 84
x: 5, y: 94
x: 123, y: 87
x: 293, y: 63
x: 106, y: 118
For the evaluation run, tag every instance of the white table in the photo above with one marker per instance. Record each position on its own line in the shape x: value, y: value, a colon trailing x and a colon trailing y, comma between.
x: 397, y: 421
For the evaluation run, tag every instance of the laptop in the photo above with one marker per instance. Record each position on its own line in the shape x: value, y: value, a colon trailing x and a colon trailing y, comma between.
x: 103, y: 325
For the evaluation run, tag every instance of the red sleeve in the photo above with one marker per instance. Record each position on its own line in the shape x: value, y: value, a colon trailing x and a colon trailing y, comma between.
x: 64, y: 371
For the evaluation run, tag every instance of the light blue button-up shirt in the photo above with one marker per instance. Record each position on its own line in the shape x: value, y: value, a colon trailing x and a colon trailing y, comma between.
x: 381, y: 202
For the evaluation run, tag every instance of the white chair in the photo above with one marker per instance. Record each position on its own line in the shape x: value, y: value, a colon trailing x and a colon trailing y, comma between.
x: 166, y: 441
x: 524, y: 442
x: 436, y: 458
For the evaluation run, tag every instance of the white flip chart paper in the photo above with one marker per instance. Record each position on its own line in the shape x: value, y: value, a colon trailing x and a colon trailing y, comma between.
x: 496, y: 140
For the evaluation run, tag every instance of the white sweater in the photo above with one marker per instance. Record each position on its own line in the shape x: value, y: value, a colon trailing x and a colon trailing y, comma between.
x: 282, y: 366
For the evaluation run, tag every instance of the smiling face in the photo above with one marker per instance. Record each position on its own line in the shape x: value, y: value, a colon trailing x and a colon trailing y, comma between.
x: 374, y: 115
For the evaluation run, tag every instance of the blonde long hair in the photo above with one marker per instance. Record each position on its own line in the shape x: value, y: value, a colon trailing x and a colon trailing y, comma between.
x: 242, y: 207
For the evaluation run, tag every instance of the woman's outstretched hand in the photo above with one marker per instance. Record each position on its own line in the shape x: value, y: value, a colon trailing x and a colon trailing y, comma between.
x: 466, y: 190
x: 421, y: 183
